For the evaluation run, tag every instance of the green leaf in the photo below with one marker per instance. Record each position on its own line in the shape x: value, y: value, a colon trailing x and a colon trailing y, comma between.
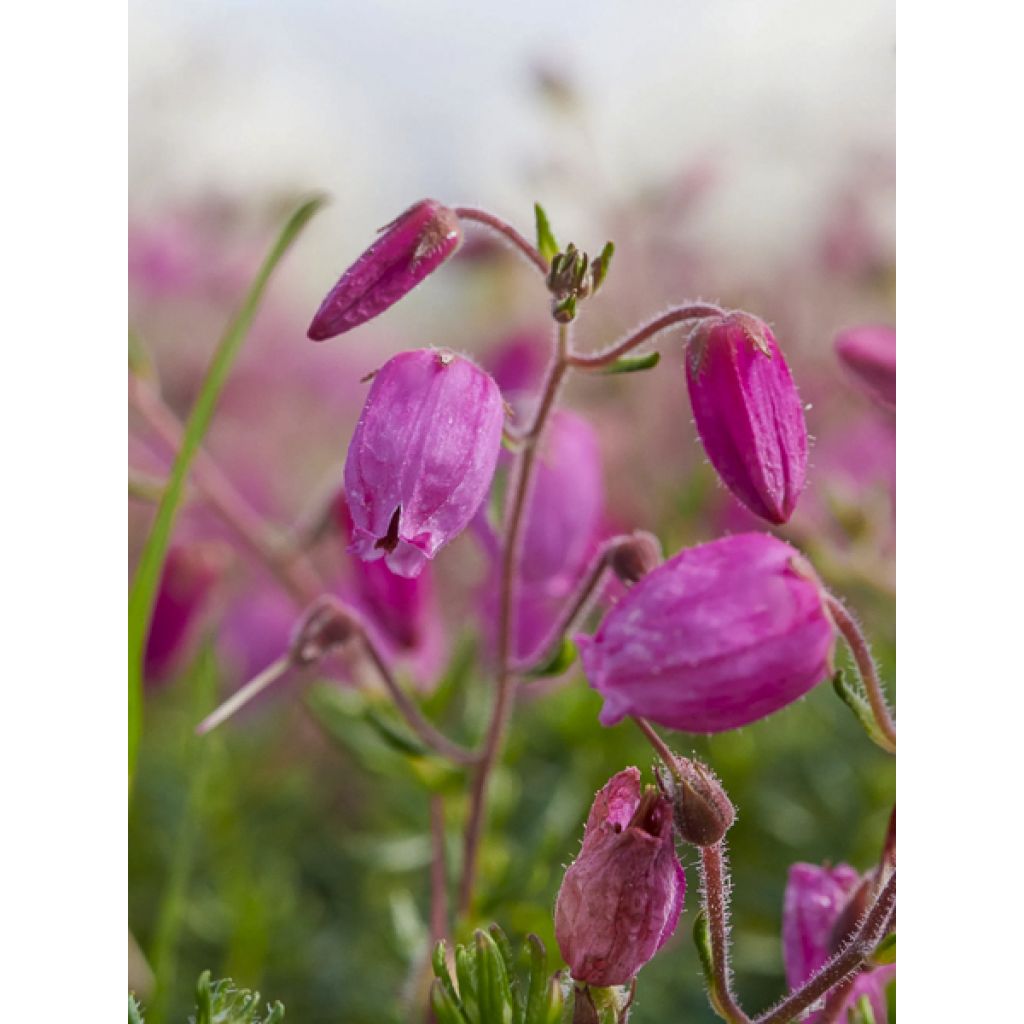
x: 885, y: 951
x: 495, y: 994
x: 861, y: 1012
x: 702, y: 940
x: 134, y: 1010
x: 850, y: 694
x: 557, y: 663
x: 393, y: 734
x: 142, y: 595
x: 546, y: 243
x: 467, y: 975
x: 537, y: 994
x: 445, y: 1005
x: 222, y: 1002
x: 634, y: 364
x: 599, y: 268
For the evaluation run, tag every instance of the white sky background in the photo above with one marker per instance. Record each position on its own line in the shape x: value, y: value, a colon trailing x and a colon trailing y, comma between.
x: 382, y: 102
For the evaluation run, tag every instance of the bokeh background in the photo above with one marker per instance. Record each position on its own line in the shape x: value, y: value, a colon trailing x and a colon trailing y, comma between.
x: 736, y: 151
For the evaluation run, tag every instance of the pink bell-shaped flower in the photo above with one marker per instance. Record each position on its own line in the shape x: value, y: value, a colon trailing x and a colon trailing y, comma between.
x: 869, y: 353
x: 748, y: 413
x: 621, y: 898
x: 818, y: 899
x: 409, y: 249
x: 720, y: 635
x: 422, y: 457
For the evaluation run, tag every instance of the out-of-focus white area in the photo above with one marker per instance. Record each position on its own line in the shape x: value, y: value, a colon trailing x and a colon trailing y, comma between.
x: 383, y: 102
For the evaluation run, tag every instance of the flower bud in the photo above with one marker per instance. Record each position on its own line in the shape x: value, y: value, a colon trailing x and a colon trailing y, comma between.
x: 821, y: 906
x: 721, y: 635
x: 408, y: 249
x: 325, y: 627
x: 870, y: 354
x: 621, y: 898
x: 189, y: 575
x: 702, y: 811
x: 634, y: 558
x: 422, y: 457
x: 748, y: 413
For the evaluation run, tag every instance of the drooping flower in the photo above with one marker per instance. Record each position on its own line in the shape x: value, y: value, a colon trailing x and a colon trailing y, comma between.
x: 407, y: 250
x: 189, y: 575
x: 720, y: 635
x: 818, y: 899
x: 621, y: 898
x: 422, y: 457
x: 748, y: 413
x: 401, y: 614
x: 869, y: 352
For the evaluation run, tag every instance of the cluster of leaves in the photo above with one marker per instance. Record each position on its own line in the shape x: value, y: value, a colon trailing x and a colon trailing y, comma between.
x: 220, y: 1002
x: 493, y: 987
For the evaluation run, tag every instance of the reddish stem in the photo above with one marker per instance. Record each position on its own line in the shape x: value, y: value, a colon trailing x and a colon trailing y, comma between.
x: 857, y: 642
x: 676, y: 315
x: 506, y: 230
x: 715, y: 891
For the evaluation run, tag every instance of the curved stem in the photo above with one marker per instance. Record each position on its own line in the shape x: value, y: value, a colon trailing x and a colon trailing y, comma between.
x: 506, y: 230
x: 292, y: 570
x: 660, y: 747
x: 434, y: 738
x: 846, y: 963
x: 676, y: 315
x: 858, y: 645
x: 715, y: 885
x: 503, y: 698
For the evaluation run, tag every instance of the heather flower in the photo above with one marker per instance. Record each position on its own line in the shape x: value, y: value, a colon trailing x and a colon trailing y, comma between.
x: 818, y: 899
x: 748, y: 413
x: 407, y: 250
x: 720, y: 635
x: 422, y: 457
x: 621, y: 898
x: 870, y: 354
x: 189, y: 575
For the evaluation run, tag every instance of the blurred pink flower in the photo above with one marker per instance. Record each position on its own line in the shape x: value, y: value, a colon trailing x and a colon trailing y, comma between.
x: 869, y: 353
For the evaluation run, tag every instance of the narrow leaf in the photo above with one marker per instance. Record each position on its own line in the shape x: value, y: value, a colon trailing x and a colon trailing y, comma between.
x: 557, y: 663
x: 634, y: 364
x: 850, y: 695
x: 546, y: 243
x: 536, y: 999
x: 885, y: 951
x: 142, y: 595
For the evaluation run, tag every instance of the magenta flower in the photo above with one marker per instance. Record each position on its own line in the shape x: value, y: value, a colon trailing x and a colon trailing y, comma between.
x: 621, y: 898
x: 748, y: 413
x: 422, y: 457
x: 870, y: 354
x: 189, y: 575
x: 718, y: 636
x: 817, y: 900
x: 408, y: 249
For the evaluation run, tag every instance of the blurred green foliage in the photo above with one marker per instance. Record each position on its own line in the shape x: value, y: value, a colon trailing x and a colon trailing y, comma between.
x: 307, y: 841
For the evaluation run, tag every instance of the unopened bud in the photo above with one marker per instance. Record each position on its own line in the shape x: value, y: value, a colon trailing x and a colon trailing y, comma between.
x: 326, y: 627
x: 633, y: 558
x: 701, y: 810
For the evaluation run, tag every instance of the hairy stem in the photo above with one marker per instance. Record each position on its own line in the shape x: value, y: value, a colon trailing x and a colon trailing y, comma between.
x: 845, y: 964
x: 858, y: 645
x: 506, y: 230
x: 676, y: 315
x: 715, y: 886
x: 503, y: 698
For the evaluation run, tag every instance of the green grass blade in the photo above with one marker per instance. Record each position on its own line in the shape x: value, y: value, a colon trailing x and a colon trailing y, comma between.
x: 147, y: 575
